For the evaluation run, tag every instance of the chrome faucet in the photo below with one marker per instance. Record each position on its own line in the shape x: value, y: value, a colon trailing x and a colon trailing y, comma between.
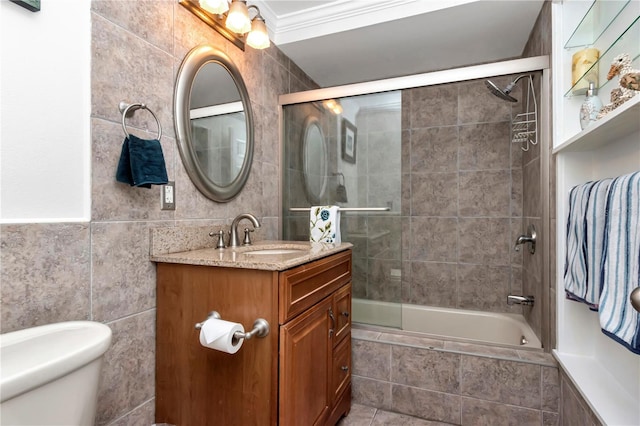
x: 234, y: 241
x: 520, y: 300
x: 527, y: 239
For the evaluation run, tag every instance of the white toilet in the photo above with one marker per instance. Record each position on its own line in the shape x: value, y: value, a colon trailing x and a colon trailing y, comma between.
x: 49, y: 374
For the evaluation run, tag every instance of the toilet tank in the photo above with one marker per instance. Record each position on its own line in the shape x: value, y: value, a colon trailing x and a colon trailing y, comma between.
x: 49, y: 374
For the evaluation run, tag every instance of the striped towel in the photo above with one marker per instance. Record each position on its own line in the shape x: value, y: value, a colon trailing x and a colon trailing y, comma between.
x: 595, y: 226
x: 621, y: 263
x: 576, y: 272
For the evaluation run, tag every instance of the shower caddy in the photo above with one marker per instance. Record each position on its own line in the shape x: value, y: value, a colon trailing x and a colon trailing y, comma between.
x: 524, y: 126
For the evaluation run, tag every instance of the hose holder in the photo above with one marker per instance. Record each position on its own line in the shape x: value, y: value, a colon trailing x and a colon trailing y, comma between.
x: 260, y: 327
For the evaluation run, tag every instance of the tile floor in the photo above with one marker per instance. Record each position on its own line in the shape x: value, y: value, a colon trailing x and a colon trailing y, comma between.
x: 361, y: 415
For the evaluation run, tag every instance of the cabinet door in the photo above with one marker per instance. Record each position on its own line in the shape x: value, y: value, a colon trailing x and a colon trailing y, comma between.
x: 342, y: 312
x: 305, y: 367
x: 341, y: 369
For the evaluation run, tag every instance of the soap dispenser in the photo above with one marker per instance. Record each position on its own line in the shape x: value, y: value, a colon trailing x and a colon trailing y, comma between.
x: 590, y: 107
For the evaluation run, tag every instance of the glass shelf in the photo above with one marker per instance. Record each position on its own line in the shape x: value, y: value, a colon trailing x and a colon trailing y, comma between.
x: 595, y: 22
x: 626, y: 43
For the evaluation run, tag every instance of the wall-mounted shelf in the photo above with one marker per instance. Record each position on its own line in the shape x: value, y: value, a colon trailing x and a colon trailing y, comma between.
x: 619, y: 123
x: 627, y: 42
x: 595, y: 22
x: 603, y: 371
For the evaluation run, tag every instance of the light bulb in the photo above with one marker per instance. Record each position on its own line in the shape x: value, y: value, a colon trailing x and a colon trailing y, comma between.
x: 238, y: 18
x: 258, y: 38
x: 216, y: 7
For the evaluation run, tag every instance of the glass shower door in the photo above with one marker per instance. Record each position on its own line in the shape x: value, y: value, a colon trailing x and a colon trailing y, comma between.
x: 355, y: 163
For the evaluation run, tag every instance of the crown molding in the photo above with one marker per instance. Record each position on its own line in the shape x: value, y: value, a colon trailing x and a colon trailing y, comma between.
x: 344, y: 15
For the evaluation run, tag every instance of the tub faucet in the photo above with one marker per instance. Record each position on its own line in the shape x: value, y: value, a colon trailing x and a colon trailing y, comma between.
x: 234, y: 241
x: 530, y: 239
x: 520, y: 300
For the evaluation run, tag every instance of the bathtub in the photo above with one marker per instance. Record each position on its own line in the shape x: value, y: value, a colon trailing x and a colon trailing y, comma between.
x: 465, y: 325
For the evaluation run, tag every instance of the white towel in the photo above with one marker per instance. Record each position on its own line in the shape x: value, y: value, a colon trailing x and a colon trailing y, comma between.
x: 324, y: 224
x: 575, y: 270
x: 621, y: 263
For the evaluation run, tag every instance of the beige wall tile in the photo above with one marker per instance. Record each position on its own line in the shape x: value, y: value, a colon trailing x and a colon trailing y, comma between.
x: 370, y: 392
x: 128, y: 378
x: 434, y: 238
x: 485, y: 241
x: 371, y: 359
x: 483, y: 287
x: 45, y: 274
x: 124, y: 279
x: 485, y: 193
x: 434, y: 194
x: 485, y: 146
x: 476, y: 412
x: 434, y: 284
x: 434, y: 149
x: 434, y: 106
x: 503, y: 381
x: 426, y: 369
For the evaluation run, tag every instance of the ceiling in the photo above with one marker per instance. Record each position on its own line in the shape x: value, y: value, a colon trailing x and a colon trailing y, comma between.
x: 347, y: 41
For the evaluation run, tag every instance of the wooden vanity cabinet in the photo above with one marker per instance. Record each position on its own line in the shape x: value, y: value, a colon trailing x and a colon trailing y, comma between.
x: 300, y: 374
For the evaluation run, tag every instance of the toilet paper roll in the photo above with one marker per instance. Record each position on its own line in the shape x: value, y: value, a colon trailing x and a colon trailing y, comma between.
x: 217, y: 334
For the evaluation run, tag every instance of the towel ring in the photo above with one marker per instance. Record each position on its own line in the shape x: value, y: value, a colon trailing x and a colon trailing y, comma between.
x: 125, y: 108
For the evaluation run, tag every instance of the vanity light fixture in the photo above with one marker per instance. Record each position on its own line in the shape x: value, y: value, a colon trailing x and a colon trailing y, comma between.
x: 231, y: 18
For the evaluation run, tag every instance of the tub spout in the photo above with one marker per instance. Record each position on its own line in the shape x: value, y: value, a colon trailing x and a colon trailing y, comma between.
x: 520, y: 300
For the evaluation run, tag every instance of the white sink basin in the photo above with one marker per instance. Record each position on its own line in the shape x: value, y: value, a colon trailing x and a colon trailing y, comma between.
x: 275, y: 251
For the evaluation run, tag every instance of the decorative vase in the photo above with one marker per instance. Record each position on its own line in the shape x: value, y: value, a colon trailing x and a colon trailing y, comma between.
x: 590, y: 107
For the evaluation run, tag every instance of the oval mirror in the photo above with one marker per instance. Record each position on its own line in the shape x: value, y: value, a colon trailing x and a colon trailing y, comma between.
x: 314, y: 160
x: 214, y: 123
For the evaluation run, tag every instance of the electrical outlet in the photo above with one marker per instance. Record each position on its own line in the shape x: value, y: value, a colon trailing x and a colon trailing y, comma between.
x: 168, y: 196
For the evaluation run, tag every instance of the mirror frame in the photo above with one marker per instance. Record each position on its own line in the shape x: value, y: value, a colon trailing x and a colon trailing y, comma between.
x: 308, y: 124
x: 197, y: 58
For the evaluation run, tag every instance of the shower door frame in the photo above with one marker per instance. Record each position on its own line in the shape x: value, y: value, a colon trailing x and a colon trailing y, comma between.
x: 488, y: 70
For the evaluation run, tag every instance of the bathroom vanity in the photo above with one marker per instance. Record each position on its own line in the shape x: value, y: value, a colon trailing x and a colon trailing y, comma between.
x: 299, y: 374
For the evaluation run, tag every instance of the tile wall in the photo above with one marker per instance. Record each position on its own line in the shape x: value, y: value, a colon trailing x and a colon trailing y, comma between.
x: 100, y: 270
x: 455, y: 383
x: 462, y: 198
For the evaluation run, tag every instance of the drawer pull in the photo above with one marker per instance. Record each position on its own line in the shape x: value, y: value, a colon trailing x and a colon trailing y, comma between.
x: 345, y: 314
x: 344, y: 368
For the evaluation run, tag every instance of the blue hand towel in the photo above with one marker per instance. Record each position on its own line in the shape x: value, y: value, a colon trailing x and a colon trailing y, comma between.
x: 576, y: 283
x: 621, y: 263
x: 324, y: 224
x: 141, y: 163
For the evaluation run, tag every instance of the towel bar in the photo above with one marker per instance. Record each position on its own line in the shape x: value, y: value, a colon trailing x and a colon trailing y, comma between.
x: 346, y: 209
x: 125, y: 108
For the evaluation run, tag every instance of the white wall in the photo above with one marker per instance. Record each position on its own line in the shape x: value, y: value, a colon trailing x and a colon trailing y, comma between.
x: 45, y: 140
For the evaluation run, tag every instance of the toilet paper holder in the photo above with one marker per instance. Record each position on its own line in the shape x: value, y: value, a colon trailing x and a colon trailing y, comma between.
x: 260, y: 327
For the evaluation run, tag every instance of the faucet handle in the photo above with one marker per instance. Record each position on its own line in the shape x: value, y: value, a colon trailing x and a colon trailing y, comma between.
x: 220, y: 234
x: 247, y: 237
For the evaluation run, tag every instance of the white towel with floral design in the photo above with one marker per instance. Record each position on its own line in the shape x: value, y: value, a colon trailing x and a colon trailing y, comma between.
x: 324, y: 224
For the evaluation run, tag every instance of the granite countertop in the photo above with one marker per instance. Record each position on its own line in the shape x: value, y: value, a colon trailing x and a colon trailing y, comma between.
x: 241, y: 257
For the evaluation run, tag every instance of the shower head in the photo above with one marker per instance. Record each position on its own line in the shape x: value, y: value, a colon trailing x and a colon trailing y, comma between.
x: 504, y: 94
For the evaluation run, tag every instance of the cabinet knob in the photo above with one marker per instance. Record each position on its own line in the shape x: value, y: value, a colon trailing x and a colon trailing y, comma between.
x: 345, y: 314
x: 344, y: 368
